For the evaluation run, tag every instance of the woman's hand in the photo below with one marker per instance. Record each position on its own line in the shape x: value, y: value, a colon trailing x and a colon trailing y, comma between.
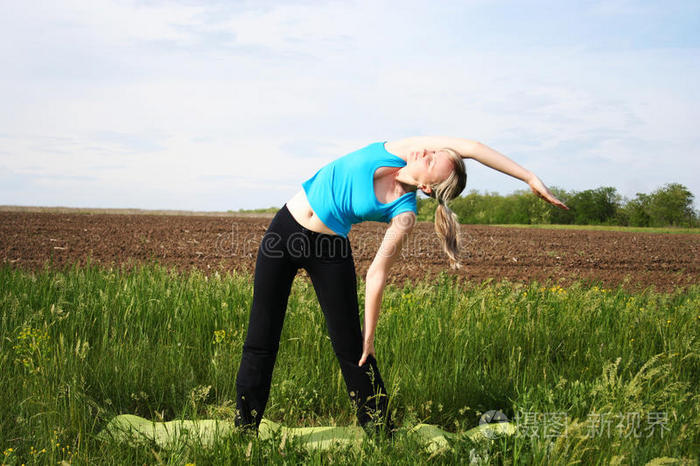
x: 541, y: 191
x: 367, y: 349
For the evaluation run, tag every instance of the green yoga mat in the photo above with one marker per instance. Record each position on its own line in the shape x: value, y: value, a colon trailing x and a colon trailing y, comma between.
x: 134, y: 429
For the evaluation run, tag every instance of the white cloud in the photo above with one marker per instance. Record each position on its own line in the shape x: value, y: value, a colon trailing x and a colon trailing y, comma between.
x: 172, y: 100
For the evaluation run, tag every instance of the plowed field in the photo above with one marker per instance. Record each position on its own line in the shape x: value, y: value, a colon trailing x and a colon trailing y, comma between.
x: 635, y: 260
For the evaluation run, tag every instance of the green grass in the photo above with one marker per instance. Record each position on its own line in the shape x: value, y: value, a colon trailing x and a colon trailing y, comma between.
x: 78, y: 347
x: 607, y: 228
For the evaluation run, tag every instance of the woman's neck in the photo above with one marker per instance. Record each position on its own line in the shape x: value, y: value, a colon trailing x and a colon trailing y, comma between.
x: 403, y: 182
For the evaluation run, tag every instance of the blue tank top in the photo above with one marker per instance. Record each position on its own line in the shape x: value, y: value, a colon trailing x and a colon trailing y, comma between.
x: 342, y: 192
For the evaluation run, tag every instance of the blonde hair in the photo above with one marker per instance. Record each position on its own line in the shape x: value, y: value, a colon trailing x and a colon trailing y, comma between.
x: 446, y: 224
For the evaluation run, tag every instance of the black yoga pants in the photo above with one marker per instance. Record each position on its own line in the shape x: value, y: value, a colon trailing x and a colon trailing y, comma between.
x: 286, y: 246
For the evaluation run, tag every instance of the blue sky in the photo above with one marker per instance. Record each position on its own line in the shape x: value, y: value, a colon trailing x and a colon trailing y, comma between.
x: 227, y: 105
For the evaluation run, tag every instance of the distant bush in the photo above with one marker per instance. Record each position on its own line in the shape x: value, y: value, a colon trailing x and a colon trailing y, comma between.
x: 269, y: 210
x: 670, y: 205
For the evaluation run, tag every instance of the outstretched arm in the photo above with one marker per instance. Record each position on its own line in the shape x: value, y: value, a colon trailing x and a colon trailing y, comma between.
x: 494, y: 159
x: 486, y: 156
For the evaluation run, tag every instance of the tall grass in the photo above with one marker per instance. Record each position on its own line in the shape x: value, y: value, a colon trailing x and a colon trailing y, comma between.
x: 79, y: 346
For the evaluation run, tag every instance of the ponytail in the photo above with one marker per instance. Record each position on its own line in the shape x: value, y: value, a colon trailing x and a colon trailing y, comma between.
x: 447, y: 229
x: 446, y: 221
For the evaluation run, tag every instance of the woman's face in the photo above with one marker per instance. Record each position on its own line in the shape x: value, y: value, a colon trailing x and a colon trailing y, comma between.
x: 429, y: 167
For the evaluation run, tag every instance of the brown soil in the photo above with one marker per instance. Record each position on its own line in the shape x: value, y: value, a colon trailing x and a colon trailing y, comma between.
x: 28, y: 240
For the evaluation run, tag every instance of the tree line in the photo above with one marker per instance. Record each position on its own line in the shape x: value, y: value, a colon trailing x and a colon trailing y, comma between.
x: 670, y: 205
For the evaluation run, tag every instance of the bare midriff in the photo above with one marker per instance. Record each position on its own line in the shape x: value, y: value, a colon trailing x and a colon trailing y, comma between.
x: 302, y: 212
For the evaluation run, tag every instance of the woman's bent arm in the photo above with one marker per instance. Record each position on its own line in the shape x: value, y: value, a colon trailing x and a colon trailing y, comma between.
x: 469, y: 149
x: 485, y: 155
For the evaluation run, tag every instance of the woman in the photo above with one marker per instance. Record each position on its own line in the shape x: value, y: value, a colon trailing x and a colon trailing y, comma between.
x: 378, y: 182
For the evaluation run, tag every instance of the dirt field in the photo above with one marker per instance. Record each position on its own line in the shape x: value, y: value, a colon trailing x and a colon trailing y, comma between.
x: 636, y: 260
